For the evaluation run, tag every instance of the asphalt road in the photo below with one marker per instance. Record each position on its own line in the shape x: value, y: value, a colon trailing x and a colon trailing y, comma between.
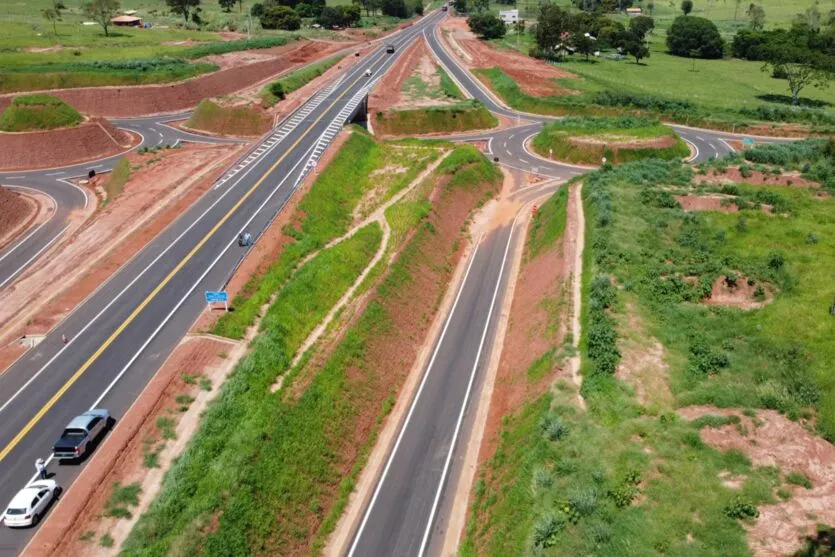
x: 122, y: 333
x: 55, y: 183
x: 410, y: 505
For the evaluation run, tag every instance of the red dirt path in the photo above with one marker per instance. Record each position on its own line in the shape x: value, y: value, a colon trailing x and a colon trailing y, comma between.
x: 14, y: 210
x: 47, y: 149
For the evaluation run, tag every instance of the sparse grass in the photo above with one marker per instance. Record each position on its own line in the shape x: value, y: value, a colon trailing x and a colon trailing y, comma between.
x: 548, y: 224
x: 121, y: 498
x: 205, y: 384
x: 625, y: 139
x: 87, y: 536
x: 166, y: 427
x: 184, y: 399
x: 37, y: 112
x: 462, y: 116
x: 448, y: 86
x: 116, y: 180
x: 296, y: 80
x: 799, y: 478
x: 189, y: 378
x: 106, y: 540
x: 228, y: 120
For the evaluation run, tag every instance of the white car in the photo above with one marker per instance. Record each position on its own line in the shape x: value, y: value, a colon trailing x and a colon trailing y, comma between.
x: 30, y: 504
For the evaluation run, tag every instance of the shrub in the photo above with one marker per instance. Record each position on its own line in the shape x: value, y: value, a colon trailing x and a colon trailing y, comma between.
x: 487, y: 25
x: 741, y: 509
x: 695, y: 37
x: 799, y: 478
x: 552, y: 427
x: 546, y: 529
x: 280, y: 17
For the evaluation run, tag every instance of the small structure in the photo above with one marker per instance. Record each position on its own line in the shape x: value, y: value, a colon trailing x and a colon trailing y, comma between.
x: 633, y: 11
x: 509, y: 17
x: 127, y: 21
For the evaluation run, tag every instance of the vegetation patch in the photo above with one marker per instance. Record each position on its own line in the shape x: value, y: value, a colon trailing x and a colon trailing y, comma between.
x: 269, y: 472
x: 228, y: 120
x: 625, y: 139
x: 462, y: 116
x: 117, y: 179
x: 38, y: 112
x: 275, y: 91
x: 326, y: 213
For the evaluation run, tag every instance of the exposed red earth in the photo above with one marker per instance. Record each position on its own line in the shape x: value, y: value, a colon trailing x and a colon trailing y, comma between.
x: 94, y: 139
x: 15, y: 211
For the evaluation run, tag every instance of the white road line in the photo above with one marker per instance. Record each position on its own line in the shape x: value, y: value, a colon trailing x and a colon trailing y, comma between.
x: 467, y: 394
x: 728, y: 145
x: 412, y: 407
x: 55, y: 173
x: 524, y: 160
x: 14, y: 177
x: 696, y: 147
x: 28, y: 261
x: 490, y: 145
x: 699, y: 138
x: 509, y: 154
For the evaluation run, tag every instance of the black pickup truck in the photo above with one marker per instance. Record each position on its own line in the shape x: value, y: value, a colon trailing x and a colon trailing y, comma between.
x: 80, y: 434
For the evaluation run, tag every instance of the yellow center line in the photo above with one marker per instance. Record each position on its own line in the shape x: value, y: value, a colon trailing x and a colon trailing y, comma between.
x: 65, y: 387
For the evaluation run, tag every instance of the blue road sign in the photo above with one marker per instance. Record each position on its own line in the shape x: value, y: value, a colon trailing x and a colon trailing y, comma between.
x: 747, y: 141
x: 216, y: 296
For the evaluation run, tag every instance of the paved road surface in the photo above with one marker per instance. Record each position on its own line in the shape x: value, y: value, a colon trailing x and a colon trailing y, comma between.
x: 121, y: 334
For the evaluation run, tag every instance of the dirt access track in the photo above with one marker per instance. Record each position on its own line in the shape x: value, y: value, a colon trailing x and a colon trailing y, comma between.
x: 94, y: 139
x: 533, y: 76
x: 241, y: 71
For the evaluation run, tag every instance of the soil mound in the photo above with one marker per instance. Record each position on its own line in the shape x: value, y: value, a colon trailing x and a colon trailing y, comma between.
x: 734, y: 176
x: 696, y: 203
x: 738, y: 291
x: 14, y: 210
x: 90, y: 140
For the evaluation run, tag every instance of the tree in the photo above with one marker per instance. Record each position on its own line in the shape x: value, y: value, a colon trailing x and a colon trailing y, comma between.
x: 584, y: 44
x: 481, y: 5
x: 305, y: 10
x: 756, y: 16
x: 487, y: 25
x: 395, y: 8
x: 339, y: 16
x: 633, y: 44
x: 102, y: 11
x: 651, y: 7
x: 695, y: 37
x: 686, y: 6
x: 799, y: 65
x: 460, y: 6
x: 183, y: 7
x: 280, y: 17
x: 52, y: 15
x: 736, y: 8
x: 641, y: 25
x: 257, y: 10
x: 810, y: 19
x: 227, y: 5
x: 554, y: 23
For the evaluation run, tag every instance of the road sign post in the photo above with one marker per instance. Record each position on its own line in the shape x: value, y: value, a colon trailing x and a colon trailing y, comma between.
x: 217, y: 297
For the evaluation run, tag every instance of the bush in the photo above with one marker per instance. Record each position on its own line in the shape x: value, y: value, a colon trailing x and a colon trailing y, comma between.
x: 487, y: 25
x: 395, y: 8
x: 552, y: 427
x: 695, y: 37
x: 339, y: 16
x: 741, y: 509
x: 280, y: 17
x: 546, y: 529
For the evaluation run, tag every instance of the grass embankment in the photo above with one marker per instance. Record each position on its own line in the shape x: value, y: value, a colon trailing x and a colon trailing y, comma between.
x: 462, y: 116
x: 269, y: 472
x: 228, y: 120
x: 624, y: 139
x: 275, y: 91
x: 631, y: 478
x: 326, y: 213
x: 117, y: 179
x: 123, y: 65
x: 38, y: 112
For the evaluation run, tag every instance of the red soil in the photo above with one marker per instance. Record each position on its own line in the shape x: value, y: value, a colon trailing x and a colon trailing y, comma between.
x: 156, y: 99
x: 533, y: 76
x: 47, y: 149
x: 742, y: 295
x: 14, y: 212
x: 707, y: 203
x: 771, y: 439
x: 733, y: 176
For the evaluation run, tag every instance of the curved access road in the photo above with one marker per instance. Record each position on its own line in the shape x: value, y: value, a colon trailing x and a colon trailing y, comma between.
x: 56, y: 183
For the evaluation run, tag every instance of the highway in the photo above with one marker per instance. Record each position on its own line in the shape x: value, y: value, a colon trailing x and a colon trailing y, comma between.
x: 120, y: 335
x: 56, y: 184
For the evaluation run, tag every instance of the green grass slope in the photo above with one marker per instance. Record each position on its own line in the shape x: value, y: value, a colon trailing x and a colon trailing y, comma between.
x: 38, y: 112
x: 234, y: 120
x: 463, y: 116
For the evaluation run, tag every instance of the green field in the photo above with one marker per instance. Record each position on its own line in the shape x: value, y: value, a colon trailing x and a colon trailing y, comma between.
x: 297, y: 79
x: 617, y: 139
x: 38, y: 112
x: 234, y: 120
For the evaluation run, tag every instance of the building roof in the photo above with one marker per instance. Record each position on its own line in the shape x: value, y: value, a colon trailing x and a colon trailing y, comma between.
x: 126, y: 19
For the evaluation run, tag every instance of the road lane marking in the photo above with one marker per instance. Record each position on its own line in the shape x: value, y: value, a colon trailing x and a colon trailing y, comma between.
x: 467, y: 394
x: 412, y: 407
x: 55, y: 173
x: 113, y: 336
x: 35, y: 256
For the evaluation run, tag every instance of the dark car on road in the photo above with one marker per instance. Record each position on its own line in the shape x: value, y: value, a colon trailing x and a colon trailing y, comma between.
x: 390, y: 48
x: 81, y: 434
